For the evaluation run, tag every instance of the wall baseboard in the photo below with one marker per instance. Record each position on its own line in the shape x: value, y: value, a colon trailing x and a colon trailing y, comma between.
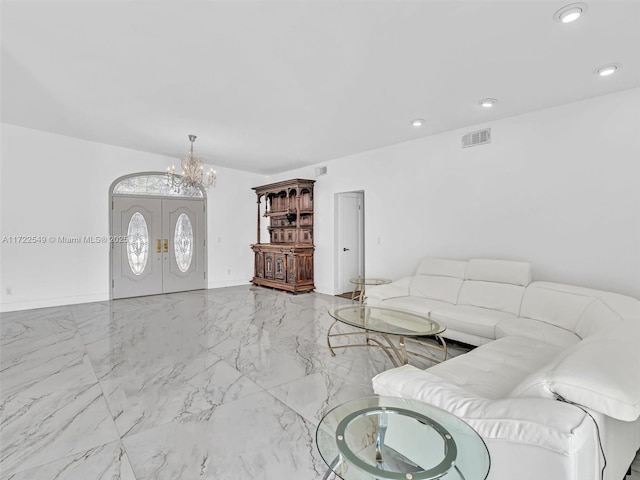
x: 104, y: 297
x: 228, y: 283
x: 52, y: 302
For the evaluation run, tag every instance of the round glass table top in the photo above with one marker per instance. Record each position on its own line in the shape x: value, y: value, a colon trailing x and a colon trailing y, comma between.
x: 369, y: 281
x: 386, y: 320
x: 388, y: 438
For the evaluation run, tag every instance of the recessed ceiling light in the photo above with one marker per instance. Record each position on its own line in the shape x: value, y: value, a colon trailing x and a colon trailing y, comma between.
x: 606, y: 70
x: 418, y: 122
x: 488, y: 102
x: 570, y: 13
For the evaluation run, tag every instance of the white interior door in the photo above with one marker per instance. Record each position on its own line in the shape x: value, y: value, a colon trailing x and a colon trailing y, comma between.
x: 136, y: 263
x: 183, y: 226
x: 349, y: 238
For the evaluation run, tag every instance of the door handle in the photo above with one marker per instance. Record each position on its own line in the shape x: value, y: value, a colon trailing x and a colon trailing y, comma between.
x: 345, y: 249
x: 166, y: 245
x: 158, y: 245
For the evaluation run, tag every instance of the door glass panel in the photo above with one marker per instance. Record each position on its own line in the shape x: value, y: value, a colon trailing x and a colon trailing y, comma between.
x: 183, y: 242
x: 137, y: 243
x: 154, y: 184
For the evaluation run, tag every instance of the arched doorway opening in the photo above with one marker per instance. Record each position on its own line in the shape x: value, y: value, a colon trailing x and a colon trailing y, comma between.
x: 158, y: 236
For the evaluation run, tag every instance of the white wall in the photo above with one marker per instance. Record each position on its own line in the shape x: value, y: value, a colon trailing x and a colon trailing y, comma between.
x: 55, y: 185
x: 558, y: 187
x: 232, y: 219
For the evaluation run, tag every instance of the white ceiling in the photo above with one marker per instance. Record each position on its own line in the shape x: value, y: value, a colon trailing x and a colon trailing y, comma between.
x: 272, y: 85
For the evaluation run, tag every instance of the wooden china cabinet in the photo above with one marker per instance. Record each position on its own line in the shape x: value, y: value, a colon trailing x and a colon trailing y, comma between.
x: 286, y: 262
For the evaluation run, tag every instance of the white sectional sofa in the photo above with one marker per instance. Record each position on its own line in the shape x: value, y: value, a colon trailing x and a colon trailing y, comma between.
x: 554, y: 385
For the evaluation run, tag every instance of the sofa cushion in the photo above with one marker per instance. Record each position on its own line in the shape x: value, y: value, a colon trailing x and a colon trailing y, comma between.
x: 500, y: 271
x: 419, y: 305
x: 534, y: 385
x: 597, y: 316
x: 496, y: 296
x: 470, y: 319
x: 398, y: 288
x: 603, y: 372
x: 529, y: 328
x: 493, y: 370
x: 442, y: 268
x: 541, y: 424
x: 464, y: 337
x: 438, y: 279
x: 438, y: 288
x: 550, y: 304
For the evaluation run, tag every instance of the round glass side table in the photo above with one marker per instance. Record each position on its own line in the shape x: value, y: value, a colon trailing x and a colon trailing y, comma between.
x: 361, y: 284
x: 385, y: 438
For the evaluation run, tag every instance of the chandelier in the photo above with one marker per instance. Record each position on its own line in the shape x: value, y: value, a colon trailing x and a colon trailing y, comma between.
x: 192, y: 172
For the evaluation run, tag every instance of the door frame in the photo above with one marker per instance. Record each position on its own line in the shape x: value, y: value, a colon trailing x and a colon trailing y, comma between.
x: 336, y: 241
x: 110, y: 214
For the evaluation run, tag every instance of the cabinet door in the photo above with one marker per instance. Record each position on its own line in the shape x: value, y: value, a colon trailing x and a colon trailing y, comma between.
x: 306, y: 220
x: 305, y: 268
x: 306, y: 236
x: 259, y: 265
x: 279, y: 267
x: 268, y: 265
x: 291, y: 268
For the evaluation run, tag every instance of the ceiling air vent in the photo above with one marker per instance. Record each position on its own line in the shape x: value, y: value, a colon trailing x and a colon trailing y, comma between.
x: 476, y: 138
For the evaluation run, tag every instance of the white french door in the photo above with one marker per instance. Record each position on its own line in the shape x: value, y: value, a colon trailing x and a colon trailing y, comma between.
x: 183, y: 226
x: 137, y: 256
x: 159, y: 246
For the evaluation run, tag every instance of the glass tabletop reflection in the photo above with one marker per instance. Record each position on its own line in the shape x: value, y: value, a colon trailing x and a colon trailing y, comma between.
x: 399, y: 439
x: 386, y: 320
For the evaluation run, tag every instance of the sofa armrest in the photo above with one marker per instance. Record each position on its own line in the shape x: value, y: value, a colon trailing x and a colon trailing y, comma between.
x: 601, y: 373
x: 397, y: 288
x: 542, y: 422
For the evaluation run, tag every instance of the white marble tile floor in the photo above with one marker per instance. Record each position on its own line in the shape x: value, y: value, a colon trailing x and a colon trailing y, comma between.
x: 213, y: 384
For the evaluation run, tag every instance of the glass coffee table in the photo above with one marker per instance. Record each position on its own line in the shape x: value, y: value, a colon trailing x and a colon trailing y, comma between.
x: 380, y: 326
x: 380, y: 438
